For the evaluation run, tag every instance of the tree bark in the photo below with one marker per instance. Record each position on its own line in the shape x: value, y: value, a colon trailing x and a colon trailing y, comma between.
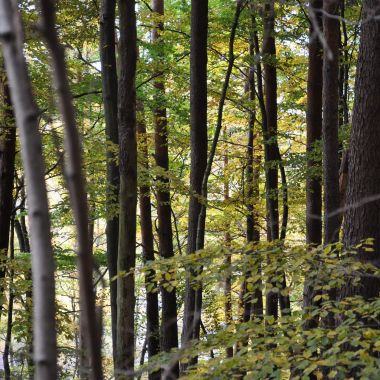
x: 165, y: 233
x: 26, y: 112
x: 331, y: 121
x: 314, y: 134
x: 128, y: 192
x: 7, y: 169
x: 152, y: 308
x: 198, y: 133
x: 75, y: 179
x: 109, y: 85
x: 362, y: 218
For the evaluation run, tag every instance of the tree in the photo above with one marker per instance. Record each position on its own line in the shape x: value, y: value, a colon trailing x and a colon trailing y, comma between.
x: 198, y: 134
x: 361, y: 218
x: 125, y: 348
x: 331, y: 121
x: 109, y: 86
x: 26, y: 112
x: 164, y: 210
x: 314, y: 134
x: 147, y: 241
x: 7, y: 167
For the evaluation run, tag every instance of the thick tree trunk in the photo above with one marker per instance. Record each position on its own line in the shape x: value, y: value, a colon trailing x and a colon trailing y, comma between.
x: 128, y: 192
x: 198, y: 132
x: 331, y: 121
x: 109, y: 82
x: 7, y: 168
x: 362, y: 217
x: 26, y: 112
x: 314, y: 134
x: 152, y: 309
x: 165, y: 233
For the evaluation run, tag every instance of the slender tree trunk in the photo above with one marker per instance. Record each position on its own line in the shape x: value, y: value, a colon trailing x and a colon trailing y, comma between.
x: 152, y: 310
x: 227, y: 257
x: 331, y: 121
x: 74, y: 176
x: 270, y: 136
x: 165, y: 233
x: 7, y: 168
x: 198, y: 132
x: 362, y: 218
x: 109, y: 82
x: 8, y: 336
x: 128, y: 192
x: 314, y: 134
x: 26, y: 112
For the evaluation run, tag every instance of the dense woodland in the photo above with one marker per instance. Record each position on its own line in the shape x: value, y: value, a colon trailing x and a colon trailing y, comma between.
x: 189, y: 189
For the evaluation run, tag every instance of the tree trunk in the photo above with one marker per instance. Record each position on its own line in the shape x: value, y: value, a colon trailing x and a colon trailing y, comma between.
x: 270, y: 137
x: 128, y: 192
x: 362, y: 218
x: 331, y: 121
x: 165, y: 233
x: 7, y: 168
x: 109, y: 82
x: 75, y: 179
x: 152, y: 309
x: 27, y: 114
x: 198, y: 132
x: 314, y: 134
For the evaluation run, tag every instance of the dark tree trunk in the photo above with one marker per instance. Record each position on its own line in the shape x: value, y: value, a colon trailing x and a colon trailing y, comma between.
x: 7, y: 168
x: 227, y: 257
x: 331, y: 121
x: 109, y: 81
x: 128, y: 191
x: 11, y: 296
x: 314, y: 127
x: 198, y: 132
x: 314, y: 134
x: 165, y: 233
x: 362, y: 217
x: 152, y: 310
x: 270, y: 137
x: 252, y: 195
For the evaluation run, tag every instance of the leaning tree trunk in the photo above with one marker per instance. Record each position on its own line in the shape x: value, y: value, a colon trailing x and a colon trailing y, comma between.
x: 7, y: 168
x: 75, y: 178
x: 109, y: 82
x: 314, y: 134
x: 198, y: 133
x: 362, y: 217
x: 165, y: 233
x: 128, y: 192
x: 27, y: 115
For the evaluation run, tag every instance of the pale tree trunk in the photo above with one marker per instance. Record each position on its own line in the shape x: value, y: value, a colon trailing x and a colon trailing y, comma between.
x: 125, y: 350
x: 109, y: 85
x: 26, y: 112
x: 75, y: 179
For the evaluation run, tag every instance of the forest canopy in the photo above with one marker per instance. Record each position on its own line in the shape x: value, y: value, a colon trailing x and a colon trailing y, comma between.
x: 189, y: 189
